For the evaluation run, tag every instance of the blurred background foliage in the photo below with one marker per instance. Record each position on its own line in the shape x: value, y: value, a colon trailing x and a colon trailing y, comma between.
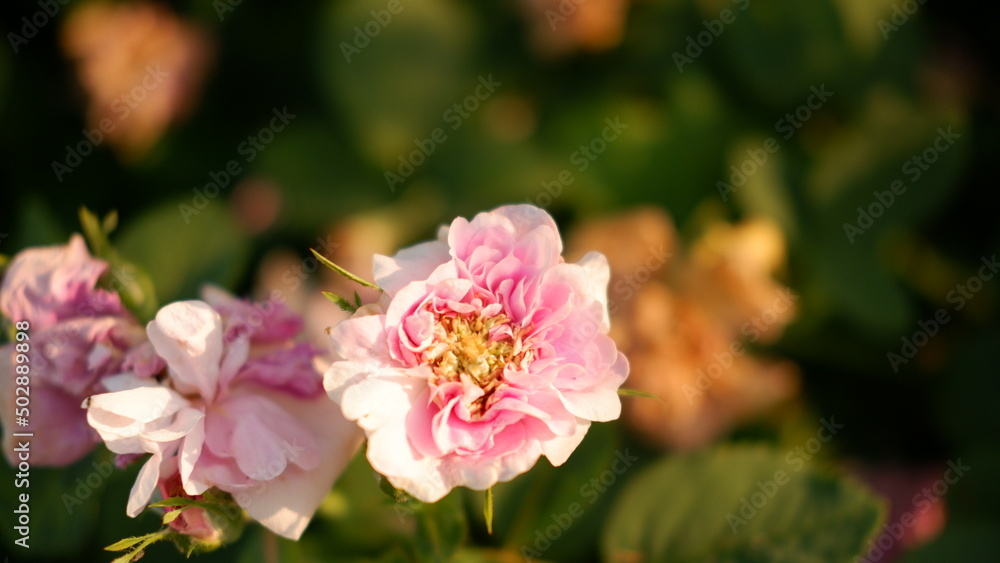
x: 362, y: 88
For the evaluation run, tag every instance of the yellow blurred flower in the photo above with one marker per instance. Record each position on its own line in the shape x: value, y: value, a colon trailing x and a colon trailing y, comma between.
x: 684, y: 320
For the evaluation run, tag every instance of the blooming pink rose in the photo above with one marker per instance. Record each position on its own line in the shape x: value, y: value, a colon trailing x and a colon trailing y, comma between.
x: 78, y: 335
x: 248, y: 418
x: 50, y: 284
x: 486, y: 351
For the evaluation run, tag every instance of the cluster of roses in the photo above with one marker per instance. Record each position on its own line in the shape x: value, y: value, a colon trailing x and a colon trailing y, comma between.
x: 484, y: 351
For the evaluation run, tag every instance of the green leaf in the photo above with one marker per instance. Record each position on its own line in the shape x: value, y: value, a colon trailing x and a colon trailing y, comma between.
x: 488, y: 511
x: 122, y: 545
x: 131, y: 283
x: 174, y: 501
x: 744, y: 503
x: 637, y: 393
x: 339, y: 301
x: 140, y: 543
x: 110, y: 222
x: 96, y: 236
x: 357, y: 298
x: 326, y: 262
x: 173, y: 514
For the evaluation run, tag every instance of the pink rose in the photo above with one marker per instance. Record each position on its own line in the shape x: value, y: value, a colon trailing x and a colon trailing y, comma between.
x: 244, y: 414
x: 486, y: 351
x: 78, y: 335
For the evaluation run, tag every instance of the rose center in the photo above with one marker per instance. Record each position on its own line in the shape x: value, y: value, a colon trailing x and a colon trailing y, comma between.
x: 474, y: 346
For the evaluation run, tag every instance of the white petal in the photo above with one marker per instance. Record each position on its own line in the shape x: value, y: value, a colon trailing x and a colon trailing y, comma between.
x: 408, y: 265
x: 343, y: 375
x: 142, y: 404
x: 361, y: 339
x: 184, y: 422
x: 189, y: 454
x: 559, y: 448
x: 598, y: 275
x: 599, y: 404
x: 188, y: 336
x: 144, y: 485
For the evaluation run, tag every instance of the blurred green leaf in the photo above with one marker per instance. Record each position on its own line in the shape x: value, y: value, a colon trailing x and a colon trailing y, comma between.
x: 781, y: 48
x: 961, y: 541
x: 181, y: 257
x: 64, y: 506
x: 131, y: 283
x: 884, y: 144
x: 555, y: 513
x: 858, y: 283
x: 394, y: 75
x: 441, y: 529
x: 728, y: 505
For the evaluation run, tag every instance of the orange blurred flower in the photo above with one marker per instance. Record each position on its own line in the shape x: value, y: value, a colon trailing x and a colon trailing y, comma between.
x: 562, y: 26
x: 140, y: 66
x: 684, y: 320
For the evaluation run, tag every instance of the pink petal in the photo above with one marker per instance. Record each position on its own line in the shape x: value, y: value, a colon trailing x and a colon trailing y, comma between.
x: 288, y: 370
x: 55, y: 415
x: 287, y: 503
x: 48, y: 284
